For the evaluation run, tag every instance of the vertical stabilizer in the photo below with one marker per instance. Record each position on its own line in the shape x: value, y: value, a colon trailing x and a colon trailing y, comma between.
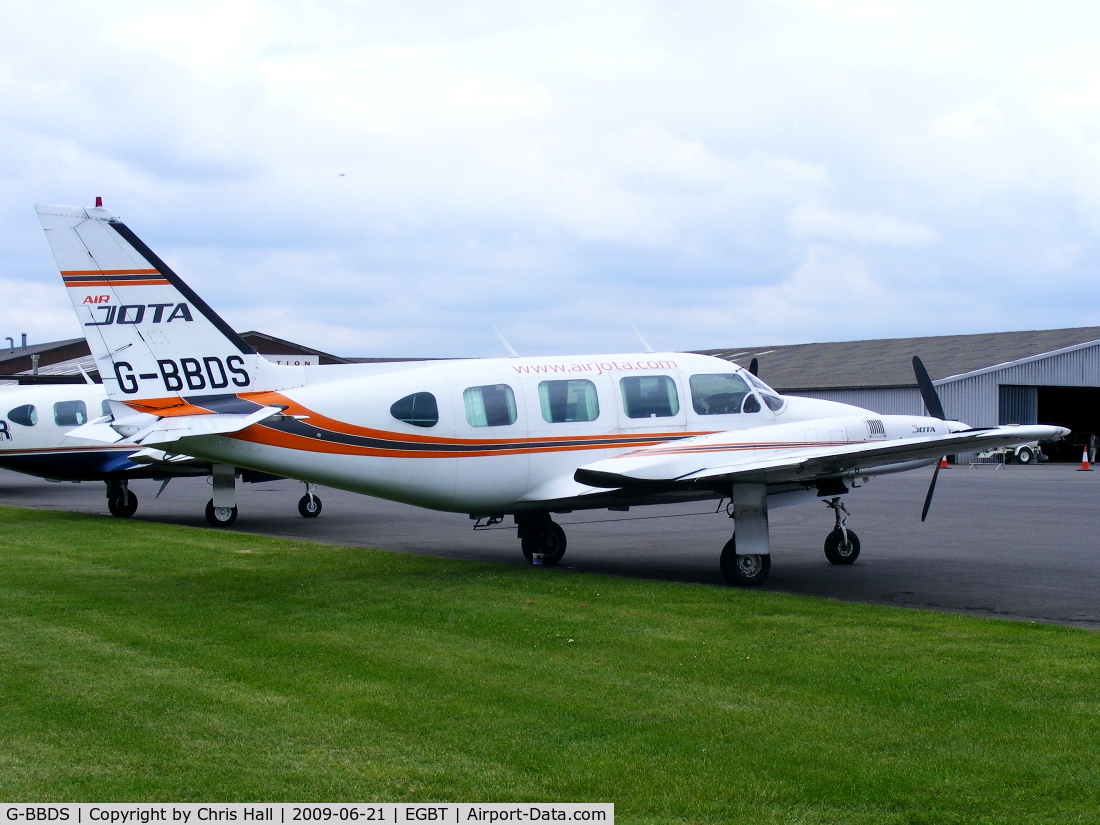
x: 153, y: 339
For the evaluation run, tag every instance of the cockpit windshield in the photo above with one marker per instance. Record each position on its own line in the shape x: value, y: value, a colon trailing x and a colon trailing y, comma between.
x: 756, y: 382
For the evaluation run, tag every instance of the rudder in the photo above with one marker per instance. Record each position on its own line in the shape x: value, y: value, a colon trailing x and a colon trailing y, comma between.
x: 153, y: 338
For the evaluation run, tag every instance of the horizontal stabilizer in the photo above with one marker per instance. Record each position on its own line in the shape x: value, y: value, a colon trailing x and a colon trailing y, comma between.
x: 98, y: 429
x: 167, y: 430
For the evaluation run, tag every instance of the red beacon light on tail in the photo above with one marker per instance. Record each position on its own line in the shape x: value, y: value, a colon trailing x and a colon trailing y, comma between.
x: 98, y: 200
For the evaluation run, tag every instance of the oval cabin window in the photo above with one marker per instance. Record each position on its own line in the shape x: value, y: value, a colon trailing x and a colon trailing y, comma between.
x: 26, y: 415
x: 419, y: 409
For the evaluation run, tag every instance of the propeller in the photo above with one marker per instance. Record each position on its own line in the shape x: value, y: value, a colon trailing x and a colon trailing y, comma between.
x: 935, y: 409
x: 754, y: 367
x: 927, y: 391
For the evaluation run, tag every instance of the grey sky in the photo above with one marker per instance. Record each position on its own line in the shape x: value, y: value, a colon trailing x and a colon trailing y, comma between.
x: 396, y: 178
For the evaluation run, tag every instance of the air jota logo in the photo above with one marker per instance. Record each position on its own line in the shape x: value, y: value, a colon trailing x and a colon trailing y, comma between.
x: 190, y: 372
x: 135, y: 313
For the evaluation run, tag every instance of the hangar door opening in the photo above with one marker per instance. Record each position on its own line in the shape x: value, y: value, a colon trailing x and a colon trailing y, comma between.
x: 1075, y: 407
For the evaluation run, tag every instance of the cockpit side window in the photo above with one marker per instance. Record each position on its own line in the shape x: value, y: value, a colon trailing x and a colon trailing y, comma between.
x: 493, y: 405
x: 649, y: 396
x: 70, y: 413
x: 26, y: 415
x: 719, y: 394
x: 419, y: 409
x: 751, y: 405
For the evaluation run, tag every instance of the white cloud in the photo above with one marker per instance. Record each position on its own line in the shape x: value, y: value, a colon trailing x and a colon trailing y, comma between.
x: 397, y: 178
x: 810, y: 221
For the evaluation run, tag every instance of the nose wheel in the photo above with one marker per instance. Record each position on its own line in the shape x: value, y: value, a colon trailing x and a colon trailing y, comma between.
x: 842, y: 544
x: 309, y: 505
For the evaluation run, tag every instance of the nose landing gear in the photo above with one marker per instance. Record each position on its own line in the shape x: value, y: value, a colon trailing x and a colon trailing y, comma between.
x: 309, y: 505
x: 842, y: 544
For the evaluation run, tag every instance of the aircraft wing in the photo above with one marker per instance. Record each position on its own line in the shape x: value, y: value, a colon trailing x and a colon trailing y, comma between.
x: 732, y: 457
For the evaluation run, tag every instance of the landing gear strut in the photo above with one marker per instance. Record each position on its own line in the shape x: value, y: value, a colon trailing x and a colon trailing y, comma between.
x: 842, y: 544
x: 221, y: 510
x: 541, y: 539
x: 752, y: 564
x: 120, y: 501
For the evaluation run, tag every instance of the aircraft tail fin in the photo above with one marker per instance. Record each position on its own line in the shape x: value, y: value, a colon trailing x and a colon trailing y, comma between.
x: 154, y: 340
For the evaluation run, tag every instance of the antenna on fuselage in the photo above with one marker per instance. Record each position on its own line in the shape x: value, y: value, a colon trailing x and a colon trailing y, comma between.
x: 504, y: 342
x: 645, y: 344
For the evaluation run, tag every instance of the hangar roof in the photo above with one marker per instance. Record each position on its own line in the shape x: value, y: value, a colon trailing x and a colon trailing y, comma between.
x: 888, y: 362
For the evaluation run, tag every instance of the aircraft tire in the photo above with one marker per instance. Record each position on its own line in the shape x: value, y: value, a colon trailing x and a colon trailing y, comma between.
x: 309, y: 507
x: 744, y: 570
x: 551, y: 544
x: 122, y: 506
x: 1024, y: 455
x: 220, y: 516
x: 835, y: 550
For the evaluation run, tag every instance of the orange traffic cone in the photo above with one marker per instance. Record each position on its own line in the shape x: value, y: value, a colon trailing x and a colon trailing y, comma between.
x: 943, y: 463
x: 1084, y: 468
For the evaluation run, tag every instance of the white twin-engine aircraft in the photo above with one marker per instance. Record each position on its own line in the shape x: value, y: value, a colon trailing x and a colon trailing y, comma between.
x: 526, y: 437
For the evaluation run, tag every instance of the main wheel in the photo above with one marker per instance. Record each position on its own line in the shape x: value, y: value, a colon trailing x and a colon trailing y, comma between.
x: 839, y: 552
x: 309, y: 507
x: 220, y: 516
x: 750, y: 569
x: 550, y: 543
x: 1025, y: 455
x: 122, y: 505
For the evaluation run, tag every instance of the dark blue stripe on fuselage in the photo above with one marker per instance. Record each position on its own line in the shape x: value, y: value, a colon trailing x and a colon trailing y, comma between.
x: 81, y: 466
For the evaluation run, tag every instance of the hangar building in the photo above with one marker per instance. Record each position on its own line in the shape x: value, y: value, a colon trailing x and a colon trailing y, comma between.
x: 1039, y: 377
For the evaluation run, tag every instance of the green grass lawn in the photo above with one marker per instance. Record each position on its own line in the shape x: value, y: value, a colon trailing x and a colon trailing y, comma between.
x: 142, y: 662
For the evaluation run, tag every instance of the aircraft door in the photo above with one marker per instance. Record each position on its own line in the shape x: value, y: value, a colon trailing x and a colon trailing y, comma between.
x: 493, y: 464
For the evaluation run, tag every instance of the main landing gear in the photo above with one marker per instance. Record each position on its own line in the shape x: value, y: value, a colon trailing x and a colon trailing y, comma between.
x: 746, y: 558
x: 749, y: 563
x: 120, y: 501
x: 221, y: 510
x: 541, y: 538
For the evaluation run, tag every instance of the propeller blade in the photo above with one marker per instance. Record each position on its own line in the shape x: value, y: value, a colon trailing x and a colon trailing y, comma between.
x: 928, y: 497
x: 927, y: 391
x: 754, y: 367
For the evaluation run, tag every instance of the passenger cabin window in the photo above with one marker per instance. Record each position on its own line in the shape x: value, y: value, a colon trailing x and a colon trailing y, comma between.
x: 719, y: 394
x: 490, y: 406
x: 419, y: 409
x: 26, y: 415
x: 649, y: 396
x: 105, y: 407
x: 572, y: 400
x: 70, y: 413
